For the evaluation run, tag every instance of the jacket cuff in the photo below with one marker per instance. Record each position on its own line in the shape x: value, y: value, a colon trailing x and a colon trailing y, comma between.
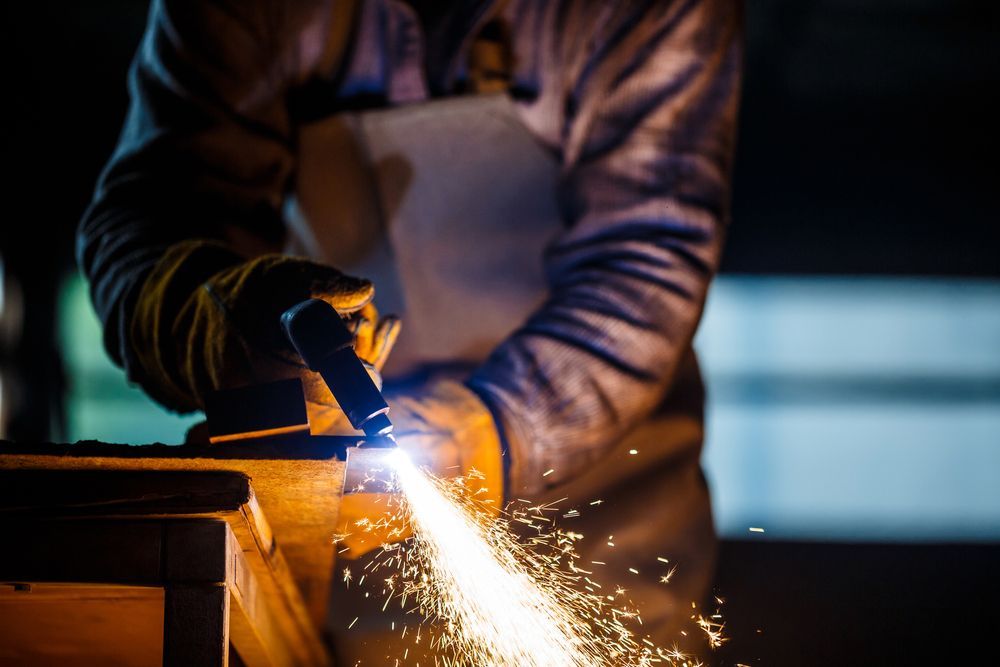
x: 522, y: 463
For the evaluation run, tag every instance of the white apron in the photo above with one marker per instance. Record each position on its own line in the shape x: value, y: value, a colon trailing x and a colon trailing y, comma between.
x: 447, y: 206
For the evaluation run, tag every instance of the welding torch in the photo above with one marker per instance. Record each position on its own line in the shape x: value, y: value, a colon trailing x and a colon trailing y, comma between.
x: 326, y: 344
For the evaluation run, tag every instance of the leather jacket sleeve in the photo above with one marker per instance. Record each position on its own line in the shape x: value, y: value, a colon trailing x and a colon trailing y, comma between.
x: 205, y: 152
x: 647, y: 149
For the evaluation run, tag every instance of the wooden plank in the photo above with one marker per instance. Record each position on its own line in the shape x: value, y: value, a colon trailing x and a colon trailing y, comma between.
x: 260, y: 638
x: 88, y: 625
x: 271, y: 571
x: 186, y: 554
x: 270, y: 629
x: 261, y: 627
x: 274, y: 613
x: 297, y: 484
x: 40, y: 492
x: 119, y: 551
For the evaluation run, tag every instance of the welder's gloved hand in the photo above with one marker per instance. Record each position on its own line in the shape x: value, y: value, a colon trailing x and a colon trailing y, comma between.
x: 445, y: 429
x: 374, y: 337
x: 208, y: 319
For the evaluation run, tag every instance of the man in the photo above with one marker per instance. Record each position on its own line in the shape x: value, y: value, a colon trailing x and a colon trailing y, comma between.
x: 548, y: 248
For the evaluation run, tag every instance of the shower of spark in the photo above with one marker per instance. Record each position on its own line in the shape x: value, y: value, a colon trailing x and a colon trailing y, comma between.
x: 497, y: 610
x: 496, y: 600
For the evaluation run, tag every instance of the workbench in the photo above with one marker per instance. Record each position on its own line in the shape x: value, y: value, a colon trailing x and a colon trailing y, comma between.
x: 172, y: 555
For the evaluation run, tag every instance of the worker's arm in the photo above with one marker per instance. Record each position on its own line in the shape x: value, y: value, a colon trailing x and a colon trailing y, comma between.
x: 648, y: 151
x: 190, y: 201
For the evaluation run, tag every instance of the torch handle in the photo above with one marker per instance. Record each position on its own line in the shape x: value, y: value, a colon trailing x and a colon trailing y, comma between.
x: 326, y: 345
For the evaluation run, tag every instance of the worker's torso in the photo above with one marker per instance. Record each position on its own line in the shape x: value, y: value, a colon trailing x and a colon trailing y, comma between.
x: 447, y: 207
x: 447, y: 204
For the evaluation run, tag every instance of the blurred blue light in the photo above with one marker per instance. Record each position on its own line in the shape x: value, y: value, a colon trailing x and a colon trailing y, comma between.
x: 854, y: 409
x: 839, y: 409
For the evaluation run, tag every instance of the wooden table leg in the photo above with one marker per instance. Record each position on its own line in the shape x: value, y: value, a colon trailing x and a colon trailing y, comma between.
x: 196, y: 625
x: 212, y: 600
x: 197, y: 563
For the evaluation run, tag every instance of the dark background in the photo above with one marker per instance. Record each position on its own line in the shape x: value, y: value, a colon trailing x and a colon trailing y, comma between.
x: 868, y: 145
x: 868, y: 140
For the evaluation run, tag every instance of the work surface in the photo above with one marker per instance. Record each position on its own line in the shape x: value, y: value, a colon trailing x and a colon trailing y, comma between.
x: 787, y: 603
x: 297, y: 483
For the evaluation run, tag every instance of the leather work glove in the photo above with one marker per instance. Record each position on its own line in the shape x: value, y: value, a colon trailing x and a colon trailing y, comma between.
x: 446, y: 430
x: 207, y: 318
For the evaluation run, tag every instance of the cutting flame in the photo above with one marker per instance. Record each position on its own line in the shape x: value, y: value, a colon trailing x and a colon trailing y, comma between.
x: 497, y: 600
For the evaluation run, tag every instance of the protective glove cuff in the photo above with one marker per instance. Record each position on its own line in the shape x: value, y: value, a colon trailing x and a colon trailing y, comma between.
x: 156, y: 358
x: 523, y: 467
x: 481, y: 450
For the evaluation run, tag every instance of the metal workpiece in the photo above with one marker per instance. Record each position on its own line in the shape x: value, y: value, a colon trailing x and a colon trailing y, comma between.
x: 370, y: 470
x: 326, y: 345
x: 266, y: 410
